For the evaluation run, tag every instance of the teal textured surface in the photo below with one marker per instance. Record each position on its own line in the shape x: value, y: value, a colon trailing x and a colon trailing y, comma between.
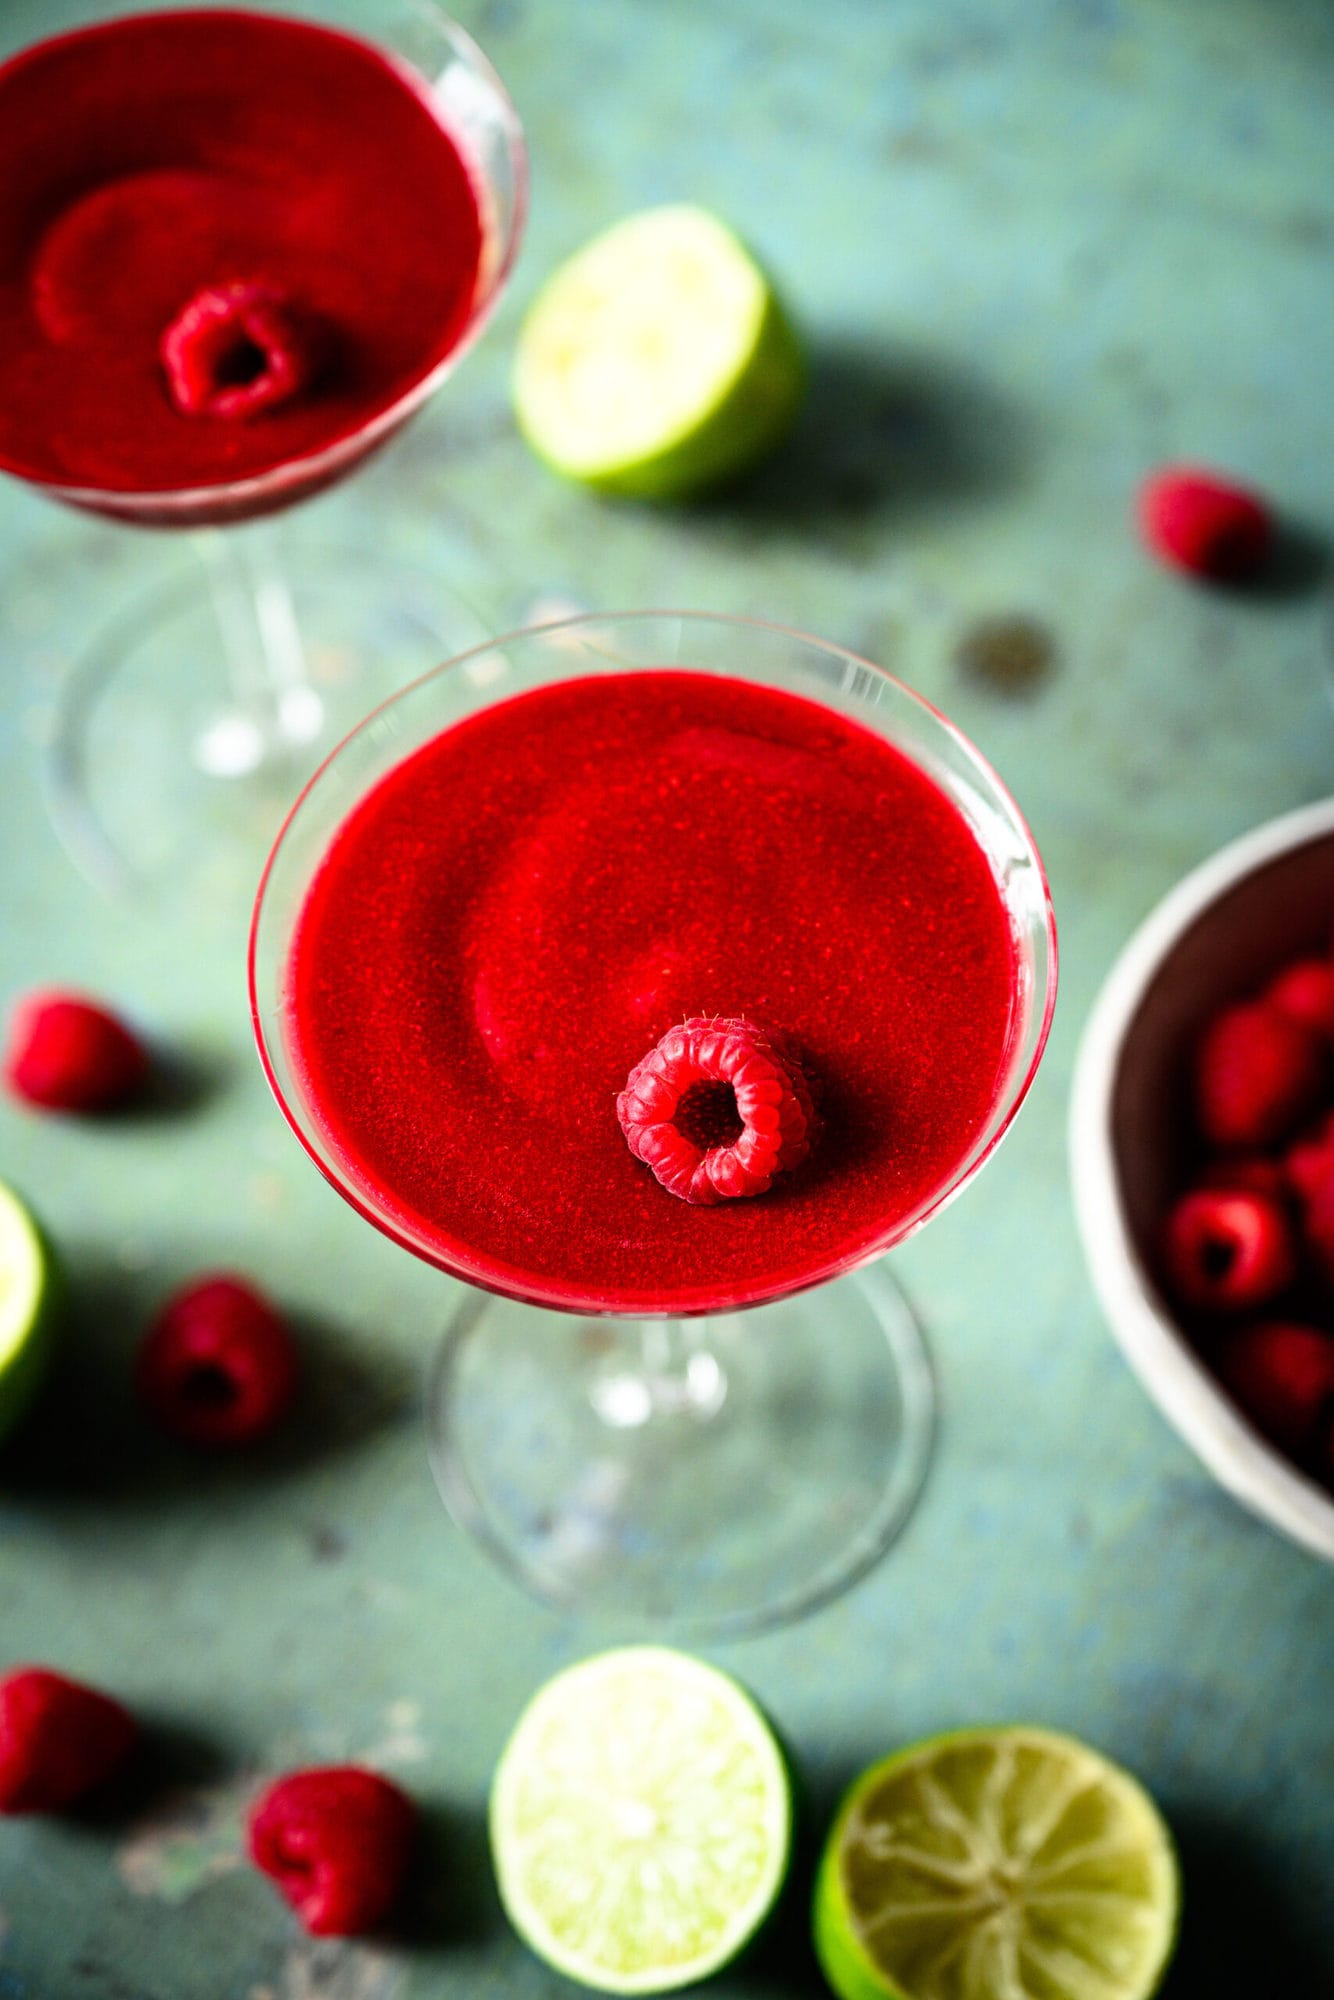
x: 1035, y: 252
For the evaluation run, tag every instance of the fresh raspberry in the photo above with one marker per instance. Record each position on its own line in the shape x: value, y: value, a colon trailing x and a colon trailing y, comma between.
x: 58, y: 1740
x: 1201, y: 523
x: 1228, y: 1251
x: 337, y: 1842
x: 237, y: 350
x: 218, y: 1366
x: 1282, y: 1374
x: 1304, y: 990
x: 1258, y: 1073
x: 1308, y: 1164
x: 68, y: 1053
x: 717, y: 1109
x: 1318, y: 1230
x: 1245, y: 1173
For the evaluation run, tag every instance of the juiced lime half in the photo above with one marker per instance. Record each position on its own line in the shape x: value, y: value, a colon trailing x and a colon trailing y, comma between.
x: 996, y: 1864
x: 657, y: 360
x: 29, y: 1288
x: 641, y: 1821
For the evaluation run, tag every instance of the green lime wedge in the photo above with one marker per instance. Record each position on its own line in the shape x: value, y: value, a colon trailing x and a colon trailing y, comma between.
x: 29, y: 1293
x: 657, y: 360
x: 641, y: 1821
x: 996, y: 1864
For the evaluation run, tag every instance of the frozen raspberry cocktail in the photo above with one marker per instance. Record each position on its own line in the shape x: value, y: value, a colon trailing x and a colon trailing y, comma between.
x: 237, y: 252
x: 232, y: 245
x: 639, y: 970
x: 513, y: 917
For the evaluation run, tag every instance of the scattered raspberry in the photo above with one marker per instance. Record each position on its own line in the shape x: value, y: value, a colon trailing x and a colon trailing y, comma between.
x: 218, y: 1366
x: 67, y: 1053
x: 1228, y: 1251
x: 58, y: 1740
x: 1258, y: 1073
x: 717, y: 1109
x: 1198, y: 522
x: 337, y: 1842
x: 1304, y: 990
x: 237, y: 350
x: 1282, y: 1374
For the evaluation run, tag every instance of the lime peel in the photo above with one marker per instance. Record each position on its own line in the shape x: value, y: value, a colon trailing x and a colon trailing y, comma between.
x: 996, y: 1864
x: 30, y: 1289
x: 641, y: 1821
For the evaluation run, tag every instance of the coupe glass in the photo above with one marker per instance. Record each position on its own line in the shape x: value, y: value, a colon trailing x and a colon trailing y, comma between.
x: 187, y: 715
x: 734, y: 1466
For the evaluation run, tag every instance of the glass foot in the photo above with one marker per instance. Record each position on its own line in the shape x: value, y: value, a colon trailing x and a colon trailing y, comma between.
x: 708, y: 1476
x: 188, y: 723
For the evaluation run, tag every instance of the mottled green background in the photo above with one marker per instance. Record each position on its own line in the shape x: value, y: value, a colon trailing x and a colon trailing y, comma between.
x: 1036, y: 248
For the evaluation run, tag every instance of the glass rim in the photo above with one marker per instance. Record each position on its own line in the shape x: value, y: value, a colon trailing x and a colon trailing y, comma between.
x: 1008, y: 1099
x: 310, y: 467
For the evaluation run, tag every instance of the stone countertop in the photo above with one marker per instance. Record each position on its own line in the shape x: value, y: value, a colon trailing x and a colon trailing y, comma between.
x: 1035, y: 251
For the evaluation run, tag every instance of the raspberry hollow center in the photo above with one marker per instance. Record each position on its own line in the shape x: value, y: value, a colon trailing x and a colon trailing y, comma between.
x: 707, y: 1115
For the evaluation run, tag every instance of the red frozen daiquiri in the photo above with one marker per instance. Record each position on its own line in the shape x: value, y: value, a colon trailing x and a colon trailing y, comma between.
x: 229, y: 244
x: 510, y: 920
x: 637, y: 970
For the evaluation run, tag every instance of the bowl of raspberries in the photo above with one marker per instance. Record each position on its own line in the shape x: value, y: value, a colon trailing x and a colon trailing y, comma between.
x: 1202, y: 1157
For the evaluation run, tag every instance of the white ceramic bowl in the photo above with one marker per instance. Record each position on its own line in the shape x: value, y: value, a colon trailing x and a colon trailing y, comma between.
x: 1213, y: 938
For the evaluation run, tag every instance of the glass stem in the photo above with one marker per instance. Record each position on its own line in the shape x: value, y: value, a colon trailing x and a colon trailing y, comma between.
x: 661, y: 1368
x: 274, y: 706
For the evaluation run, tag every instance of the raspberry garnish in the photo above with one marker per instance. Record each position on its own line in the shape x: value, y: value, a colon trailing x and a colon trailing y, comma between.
x: 237, y: 350
x: 717, y: 1108
x: 58, y: 1740
x: 218, y: 1366
x: 337, y: 1842
x: 1228, y: 1249
x: 1201, y: 523
x: 1258, y: 1074
x: 67, y: 1053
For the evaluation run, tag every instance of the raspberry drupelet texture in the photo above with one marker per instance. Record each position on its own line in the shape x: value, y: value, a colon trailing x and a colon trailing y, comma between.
x: 218, y: 1366
x: 236, y: 350
x: 1258, y: 1074
x: 58, y: 1740
x: 337, y: 1842
x: 66, y: 1052
x: 717, y: 1108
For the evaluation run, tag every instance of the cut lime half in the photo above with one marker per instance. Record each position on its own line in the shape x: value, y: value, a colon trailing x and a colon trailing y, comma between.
x: 641, y: 1821
x: 29, y: 1289
x: 996, y: 1864
x: 657, y: 360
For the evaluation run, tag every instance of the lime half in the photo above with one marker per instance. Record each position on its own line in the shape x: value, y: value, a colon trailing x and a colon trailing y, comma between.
x: 29, y: 1288
x: 657, y: 360
x: 641, y: 1821
x: 996, y: 1864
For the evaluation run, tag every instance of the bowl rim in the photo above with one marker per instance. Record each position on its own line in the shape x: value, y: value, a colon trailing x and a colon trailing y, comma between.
x: 1183, y: 1388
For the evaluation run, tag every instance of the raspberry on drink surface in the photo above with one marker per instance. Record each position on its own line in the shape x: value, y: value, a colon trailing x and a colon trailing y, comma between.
x: 218, y: 1366
x: 67, y: 1052
x: 59, y: 1739
x: 237, y: 350
x: 337, y: 1842
x: 717, y: 1109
